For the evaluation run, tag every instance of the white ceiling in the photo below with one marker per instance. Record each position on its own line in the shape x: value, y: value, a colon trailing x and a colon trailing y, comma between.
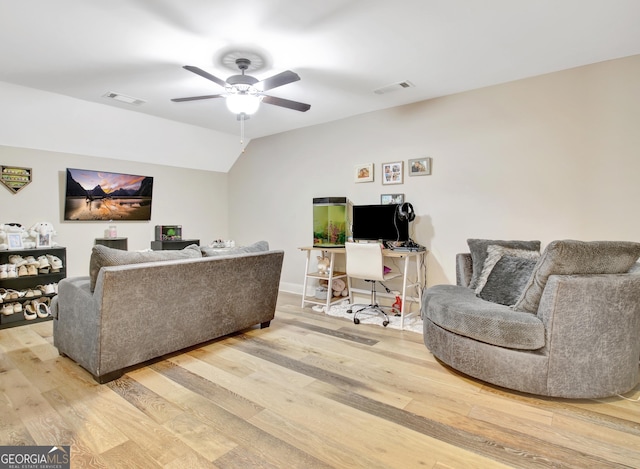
x: 342, y: 49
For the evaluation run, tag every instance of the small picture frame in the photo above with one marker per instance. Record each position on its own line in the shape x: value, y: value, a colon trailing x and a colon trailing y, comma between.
x: 388, y: 199
x: 14, y: 240
x: 364, y: 172
x: 420, y: 167
x: 43, y: 240
x: 393, y: 173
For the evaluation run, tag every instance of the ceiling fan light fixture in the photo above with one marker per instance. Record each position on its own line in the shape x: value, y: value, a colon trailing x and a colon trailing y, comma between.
x: 243, y: 102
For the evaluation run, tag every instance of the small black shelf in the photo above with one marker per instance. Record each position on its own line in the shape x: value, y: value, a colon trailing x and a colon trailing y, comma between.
x: 115, y: 243
x: 29, y: 282
x: 173, y: 245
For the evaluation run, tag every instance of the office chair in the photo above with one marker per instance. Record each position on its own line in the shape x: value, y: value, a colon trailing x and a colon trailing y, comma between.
x: 365, y: 261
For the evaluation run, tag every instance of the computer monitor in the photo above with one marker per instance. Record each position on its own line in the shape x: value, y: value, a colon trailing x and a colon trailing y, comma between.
x: 378, y: 223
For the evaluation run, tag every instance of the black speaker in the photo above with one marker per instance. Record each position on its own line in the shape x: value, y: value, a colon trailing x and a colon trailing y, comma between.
x: 405, y: 212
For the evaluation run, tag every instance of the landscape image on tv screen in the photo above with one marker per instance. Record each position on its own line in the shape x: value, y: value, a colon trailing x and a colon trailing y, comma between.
x: 100, y: 195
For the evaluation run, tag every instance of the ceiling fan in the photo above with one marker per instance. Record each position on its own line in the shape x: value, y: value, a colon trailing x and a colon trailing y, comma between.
x: 244, y: 93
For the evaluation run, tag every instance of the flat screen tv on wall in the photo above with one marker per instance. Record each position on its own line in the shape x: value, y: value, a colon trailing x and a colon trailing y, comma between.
x: 100, y: 195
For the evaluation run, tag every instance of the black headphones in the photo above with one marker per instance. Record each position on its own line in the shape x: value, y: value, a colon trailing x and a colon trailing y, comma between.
x: 406, y: 212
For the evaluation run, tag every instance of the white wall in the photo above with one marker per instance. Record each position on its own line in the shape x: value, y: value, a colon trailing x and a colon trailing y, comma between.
x: 195, y: 199
x: 32, y: 118
x: 545, y: 158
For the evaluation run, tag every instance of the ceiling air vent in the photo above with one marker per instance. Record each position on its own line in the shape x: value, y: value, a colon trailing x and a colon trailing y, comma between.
x: 123, y: 98
x: 394, y: 87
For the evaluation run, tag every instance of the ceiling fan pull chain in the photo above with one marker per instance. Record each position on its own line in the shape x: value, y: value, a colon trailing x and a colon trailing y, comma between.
x: 241, y: 128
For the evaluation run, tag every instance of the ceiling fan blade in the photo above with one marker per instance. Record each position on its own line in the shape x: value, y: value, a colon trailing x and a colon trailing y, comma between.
x: 280, y: 79
x: 194, y: 98
x: 295, y: 105
x: 203, y: 74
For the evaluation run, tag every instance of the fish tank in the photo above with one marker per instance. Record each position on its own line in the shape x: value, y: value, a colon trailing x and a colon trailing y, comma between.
x: 330, y: 221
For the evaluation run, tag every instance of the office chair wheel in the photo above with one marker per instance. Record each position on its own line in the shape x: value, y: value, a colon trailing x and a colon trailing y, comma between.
x: 385, y: 323
x: 356, y: 321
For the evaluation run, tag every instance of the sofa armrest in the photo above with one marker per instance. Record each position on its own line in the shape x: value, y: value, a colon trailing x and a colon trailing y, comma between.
x: 592, y: 327
x: 464, y: 269
x: 75, y: 325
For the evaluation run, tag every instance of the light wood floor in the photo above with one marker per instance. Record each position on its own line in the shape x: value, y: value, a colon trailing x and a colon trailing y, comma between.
x: 310, y: 391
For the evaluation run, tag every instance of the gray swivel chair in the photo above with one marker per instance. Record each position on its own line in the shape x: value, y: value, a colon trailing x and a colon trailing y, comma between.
x: 366, y: 262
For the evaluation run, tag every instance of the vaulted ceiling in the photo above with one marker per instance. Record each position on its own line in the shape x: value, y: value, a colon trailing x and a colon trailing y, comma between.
x: 343, y: 50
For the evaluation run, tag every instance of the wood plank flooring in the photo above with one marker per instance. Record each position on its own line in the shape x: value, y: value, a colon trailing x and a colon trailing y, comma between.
x: 311, y: 391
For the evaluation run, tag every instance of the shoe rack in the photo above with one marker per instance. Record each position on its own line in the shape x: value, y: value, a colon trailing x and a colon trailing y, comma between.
x: 28, y: 285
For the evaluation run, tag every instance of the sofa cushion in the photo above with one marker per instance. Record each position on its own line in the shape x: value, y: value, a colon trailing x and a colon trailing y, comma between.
x: 507, y: 279
x: 458, y: 310
x: 570, y: 257
x: 494, y: 254
x: 103, y: 256
x: 478, y: 249
x: 258, y: 246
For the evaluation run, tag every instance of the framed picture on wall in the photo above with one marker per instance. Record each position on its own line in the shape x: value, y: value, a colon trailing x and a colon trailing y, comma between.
x: 387, y: 199
x: 420, y: 167
x: 392, y: 173
x: 364, y: 172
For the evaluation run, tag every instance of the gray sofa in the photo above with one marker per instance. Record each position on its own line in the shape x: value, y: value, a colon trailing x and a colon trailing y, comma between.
x: 139, y: 311
x: 574, y: 331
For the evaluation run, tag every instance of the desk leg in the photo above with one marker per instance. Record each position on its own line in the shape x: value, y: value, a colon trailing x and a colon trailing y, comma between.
x: 306, y: 278
x: 332, y: 257
x: 404, y: 291
x: 419, y: 262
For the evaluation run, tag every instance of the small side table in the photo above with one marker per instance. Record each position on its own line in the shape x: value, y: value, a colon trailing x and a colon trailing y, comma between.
x: 173, y: 245
x: 115, y: 243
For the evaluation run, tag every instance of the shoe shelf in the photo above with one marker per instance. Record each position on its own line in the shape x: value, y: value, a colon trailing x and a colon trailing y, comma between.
x: 21, y: 290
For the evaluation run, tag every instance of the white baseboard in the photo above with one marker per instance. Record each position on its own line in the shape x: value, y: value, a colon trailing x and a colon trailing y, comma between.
x: 296, y: 288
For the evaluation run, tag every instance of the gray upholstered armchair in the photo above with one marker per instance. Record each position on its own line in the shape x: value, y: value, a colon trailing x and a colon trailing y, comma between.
x: 574, y: 331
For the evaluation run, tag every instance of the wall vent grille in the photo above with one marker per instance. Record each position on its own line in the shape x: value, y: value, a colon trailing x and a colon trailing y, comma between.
x: 124, y: 98
x: 394, y: 87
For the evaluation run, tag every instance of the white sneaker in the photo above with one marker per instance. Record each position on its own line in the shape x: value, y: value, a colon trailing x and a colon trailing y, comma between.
x: 43, y: 262
x: 17, y: 260
x: 31, y: 261
x: 47, y: 289
x: 3, y: 271
x: 42, y: 310
x: 12, y: 272
x: 56, y: 263
x: 30, y: 311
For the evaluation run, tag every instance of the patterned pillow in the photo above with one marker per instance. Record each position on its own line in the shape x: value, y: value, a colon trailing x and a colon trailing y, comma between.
x: 507, y: 280
x: 478, y: 249
x: 103, y: 256
x: 569, y: 257
x: 494, y: 254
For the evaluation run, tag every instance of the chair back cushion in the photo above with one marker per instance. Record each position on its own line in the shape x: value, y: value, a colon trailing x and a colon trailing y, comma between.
x: 570, y: 257
x: 365, y: 261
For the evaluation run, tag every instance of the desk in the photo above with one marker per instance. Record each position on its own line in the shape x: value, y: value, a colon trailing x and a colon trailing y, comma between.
x: 406, y: 256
